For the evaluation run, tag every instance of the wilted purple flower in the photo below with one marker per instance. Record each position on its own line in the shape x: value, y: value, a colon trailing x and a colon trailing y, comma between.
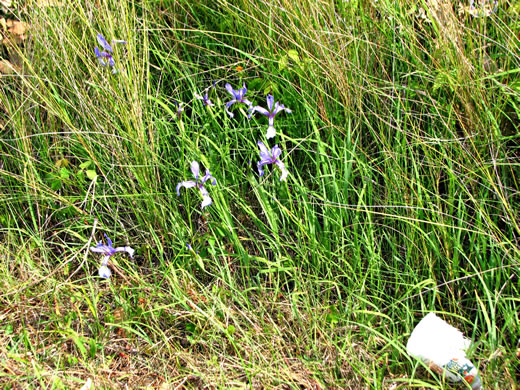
x: 190, y: 248
x: 199, y: 183
x: 105, y: 56
x: 205, y: 99
x: 180, y: 108
x: 483, y: 8
x: 108, y: 251
x: 270, y: 113
x: 271, y: 157
x: 238, y: 97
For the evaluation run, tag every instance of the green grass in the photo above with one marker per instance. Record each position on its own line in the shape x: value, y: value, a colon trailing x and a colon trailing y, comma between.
x: 402, y: 198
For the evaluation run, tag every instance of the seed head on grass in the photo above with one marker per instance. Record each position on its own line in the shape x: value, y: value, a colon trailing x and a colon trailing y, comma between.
x: 108, y: 251
x: 238, y: 97
x: 199, y: 183
x: 105, y: 56
x: 270, y: 113
x: 271, y: 157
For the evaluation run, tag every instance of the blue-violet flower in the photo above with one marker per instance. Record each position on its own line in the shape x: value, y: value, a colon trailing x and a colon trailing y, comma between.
x: 238, y: 97
x: 108, y: 251
x: 270, y: 113
x: 271, y: 157
x: 199, y: 183
x: 205, y: 99
x: 105, y: 56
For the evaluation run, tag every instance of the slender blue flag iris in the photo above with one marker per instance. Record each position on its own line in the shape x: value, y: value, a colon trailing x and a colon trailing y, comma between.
x: 199, y: 183
x: 270, y: 113
x: 108, y: 251
x: 271, y: 157
x: 105, y: 56
x: 238, y: 97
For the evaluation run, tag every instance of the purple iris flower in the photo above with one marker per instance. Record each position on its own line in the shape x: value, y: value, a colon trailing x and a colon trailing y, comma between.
x: 238, y: 97
x: 205, y: 99
x: 271, y: 157
x: 199, y: 183
x: 270, y: 113
x: 105, y: 56
x: 108, y: 251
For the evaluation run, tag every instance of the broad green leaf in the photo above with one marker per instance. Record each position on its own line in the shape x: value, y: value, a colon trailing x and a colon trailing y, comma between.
x: 64, y: 173
x: 91, y: 174
x: 282, y: 64
x: 85, y: 165
x: 256, y: 84
x: 56, y: 184
x: 293, y: 55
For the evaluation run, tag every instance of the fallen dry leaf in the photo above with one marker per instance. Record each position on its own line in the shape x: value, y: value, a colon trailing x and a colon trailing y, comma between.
x: 6, y: 67
x: 17, y: 28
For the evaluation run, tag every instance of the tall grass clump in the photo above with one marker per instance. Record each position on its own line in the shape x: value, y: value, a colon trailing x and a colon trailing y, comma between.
x: 402, y: 195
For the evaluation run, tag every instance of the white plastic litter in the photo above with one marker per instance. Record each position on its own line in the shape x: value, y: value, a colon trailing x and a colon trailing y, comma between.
x: 443, y: 348
x: 87, y: 385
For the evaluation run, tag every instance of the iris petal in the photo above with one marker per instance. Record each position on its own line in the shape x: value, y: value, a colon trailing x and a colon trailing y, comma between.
x: 185, y: 184
x: 102, y: 41
x: 270, y: 101
x: 259, y: 165
x: 260, y: 109
x: 264, y: 152
x: 104, y: 272
x: 195, y: 169
x: 126, y: 249
x: 276, y: 152
x: 271, y: 132
x: 281, y: 165
x: 230, y: 89
x: 207, y: 177
x: 100, y: 249
x: 206, y: 201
